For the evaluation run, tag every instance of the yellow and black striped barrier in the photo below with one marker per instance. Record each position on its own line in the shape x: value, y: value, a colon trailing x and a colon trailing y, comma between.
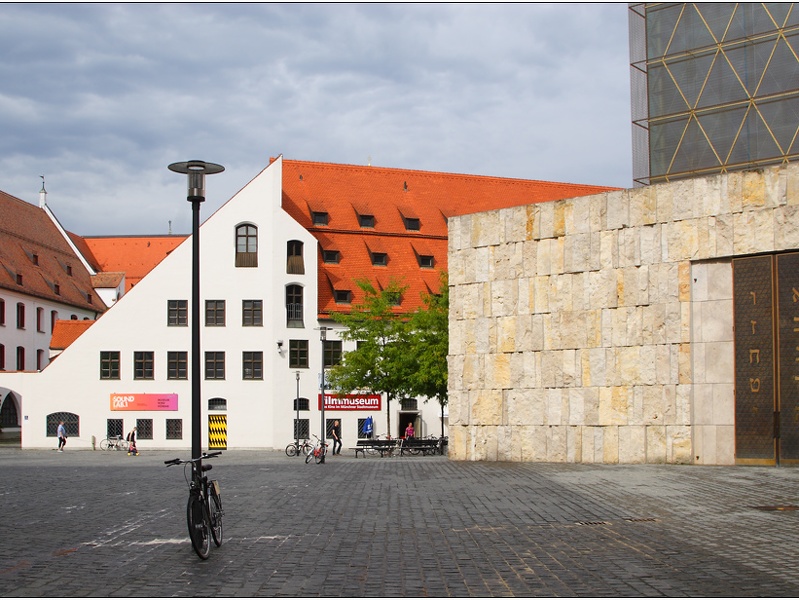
x: 217, y: 432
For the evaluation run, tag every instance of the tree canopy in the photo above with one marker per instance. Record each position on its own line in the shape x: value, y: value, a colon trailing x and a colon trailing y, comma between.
x: 400, y: 355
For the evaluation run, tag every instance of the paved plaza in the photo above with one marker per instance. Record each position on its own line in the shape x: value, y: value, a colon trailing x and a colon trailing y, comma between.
x: 86, y: 523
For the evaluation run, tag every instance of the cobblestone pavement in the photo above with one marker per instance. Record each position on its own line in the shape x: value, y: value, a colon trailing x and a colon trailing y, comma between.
x: 86, y: 523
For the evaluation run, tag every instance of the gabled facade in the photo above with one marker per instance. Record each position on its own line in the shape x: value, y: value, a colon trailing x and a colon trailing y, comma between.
x: 269, y: 280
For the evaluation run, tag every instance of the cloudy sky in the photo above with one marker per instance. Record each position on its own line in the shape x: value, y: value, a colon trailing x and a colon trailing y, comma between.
x: 100, y: 98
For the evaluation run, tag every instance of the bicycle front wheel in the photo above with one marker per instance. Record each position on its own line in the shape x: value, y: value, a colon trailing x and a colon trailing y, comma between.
x: 198, y: 527
x: 104, y: 445
x: 291, y: 450
x: 309, y: 456
x: 215, y: 513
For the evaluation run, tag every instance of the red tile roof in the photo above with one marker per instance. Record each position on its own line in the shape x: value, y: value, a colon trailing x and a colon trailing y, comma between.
x: 37, y: 261
x: 65, y: 332
x: 392, y: 196
x: 133, y: 255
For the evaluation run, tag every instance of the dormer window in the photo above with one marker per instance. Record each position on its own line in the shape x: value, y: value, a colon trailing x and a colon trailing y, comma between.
x: 19, y: 278
x: 319, y: 218
x: 35, y: 259
x: 394, y: 298
x: 379, y: 259
x: 366, y: 221
x: 69, y: 270
x: 412, y: 223
x: 426, y: 262
x: 331, y: 256
x: 343, y: 296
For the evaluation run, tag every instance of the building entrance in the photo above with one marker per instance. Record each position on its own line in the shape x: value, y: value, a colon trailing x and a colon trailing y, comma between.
x: 766, y: 307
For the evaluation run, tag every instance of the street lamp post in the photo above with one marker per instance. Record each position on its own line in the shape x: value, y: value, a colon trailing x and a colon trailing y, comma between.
x: 323, y: 337
x: 196, y: 171
x: 297, y: 408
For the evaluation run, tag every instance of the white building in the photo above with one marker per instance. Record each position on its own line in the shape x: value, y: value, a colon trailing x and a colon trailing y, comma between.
x: 276, y: 260
x: 43, y: 279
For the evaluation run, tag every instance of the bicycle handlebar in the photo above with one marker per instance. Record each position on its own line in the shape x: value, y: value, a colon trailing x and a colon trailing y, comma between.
x: 179, y: 461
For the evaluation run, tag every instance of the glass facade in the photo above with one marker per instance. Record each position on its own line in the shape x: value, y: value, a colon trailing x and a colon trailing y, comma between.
x: 715, y: 87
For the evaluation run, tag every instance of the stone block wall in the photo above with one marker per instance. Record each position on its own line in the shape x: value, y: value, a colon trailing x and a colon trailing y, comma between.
x: 599, y: 329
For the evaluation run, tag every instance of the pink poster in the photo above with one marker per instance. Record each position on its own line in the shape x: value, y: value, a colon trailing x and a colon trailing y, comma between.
x: 144, y: 401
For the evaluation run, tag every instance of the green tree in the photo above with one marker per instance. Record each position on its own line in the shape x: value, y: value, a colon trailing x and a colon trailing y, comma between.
x: 429, y: 343
x: 381, y: 361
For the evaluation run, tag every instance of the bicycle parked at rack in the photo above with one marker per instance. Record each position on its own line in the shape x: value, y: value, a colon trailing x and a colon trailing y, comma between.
x: 318, y: 452
x: 293, y: 449
x: 114, y: 443
x: 204, y: 510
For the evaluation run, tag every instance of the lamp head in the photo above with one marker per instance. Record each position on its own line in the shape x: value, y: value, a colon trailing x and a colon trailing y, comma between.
x: 196, y: 170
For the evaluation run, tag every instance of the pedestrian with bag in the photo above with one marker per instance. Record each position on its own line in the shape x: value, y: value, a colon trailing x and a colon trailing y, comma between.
x: 132, y: 442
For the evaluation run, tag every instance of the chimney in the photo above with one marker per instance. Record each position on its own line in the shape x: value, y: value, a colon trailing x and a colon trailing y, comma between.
x: 42, y: 195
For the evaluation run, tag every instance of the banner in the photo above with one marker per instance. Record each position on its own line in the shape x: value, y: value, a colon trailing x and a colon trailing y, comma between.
x: 144, y: 401
x: 351, y: 402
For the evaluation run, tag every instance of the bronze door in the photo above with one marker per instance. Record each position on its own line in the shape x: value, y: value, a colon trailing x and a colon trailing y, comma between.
x: 766, y: 317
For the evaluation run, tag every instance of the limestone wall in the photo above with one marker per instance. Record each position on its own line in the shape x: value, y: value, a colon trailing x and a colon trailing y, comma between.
x: 599, y: 329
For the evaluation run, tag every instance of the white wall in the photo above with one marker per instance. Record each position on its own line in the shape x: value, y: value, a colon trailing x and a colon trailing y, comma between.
x: 30, y: 337
x: 259, y: 413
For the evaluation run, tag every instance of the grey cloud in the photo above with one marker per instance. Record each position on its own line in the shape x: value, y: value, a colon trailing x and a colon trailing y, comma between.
x: 102, y: 97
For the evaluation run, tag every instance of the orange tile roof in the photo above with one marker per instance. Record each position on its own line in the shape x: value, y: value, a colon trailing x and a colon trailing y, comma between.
x: 37, y: 261
x: 65, y: 332
x: 392, y: 196
x: 133, y: 255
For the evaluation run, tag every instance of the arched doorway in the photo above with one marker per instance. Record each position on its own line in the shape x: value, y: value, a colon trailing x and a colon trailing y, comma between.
x: 9, y: 419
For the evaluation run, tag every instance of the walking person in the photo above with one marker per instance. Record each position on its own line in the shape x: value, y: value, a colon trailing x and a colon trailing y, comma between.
x: 132, y: 442
x: 336, y: 437
x: 61, y: 432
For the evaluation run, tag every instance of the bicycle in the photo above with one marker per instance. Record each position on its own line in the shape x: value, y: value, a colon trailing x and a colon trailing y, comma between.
x: 383, y: 436
x: 293, y: 449
x: 204, y: 509
x: 114, y: 443
x: 318, y: 452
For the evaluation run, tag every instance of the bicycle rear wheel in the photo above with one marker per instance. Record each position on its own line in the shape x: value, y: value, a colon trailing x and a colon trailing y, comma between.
x: 291, y: 450
x: 321, y: 455
x: 215, y: 513
x: 104, y: 444
x: 198, y: 526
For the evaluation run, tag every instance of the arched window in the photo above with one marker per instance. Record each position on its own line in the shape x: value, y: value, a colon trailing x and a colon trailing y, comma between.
x: 294, y: 262
x: 71, y: 423
x: 217, y: 404
x: 294, y: 306
x: 246, y: 246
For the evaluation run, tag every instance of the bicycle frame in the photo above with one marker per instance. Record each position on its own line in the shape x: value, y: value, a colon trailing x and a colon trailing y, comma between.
x: 204, y: 509
x: 318, y: 452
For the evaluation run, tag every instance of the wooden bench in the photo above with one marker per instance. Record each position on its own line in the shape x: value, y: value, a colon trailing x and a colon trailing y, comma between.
x: 381, y: 446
